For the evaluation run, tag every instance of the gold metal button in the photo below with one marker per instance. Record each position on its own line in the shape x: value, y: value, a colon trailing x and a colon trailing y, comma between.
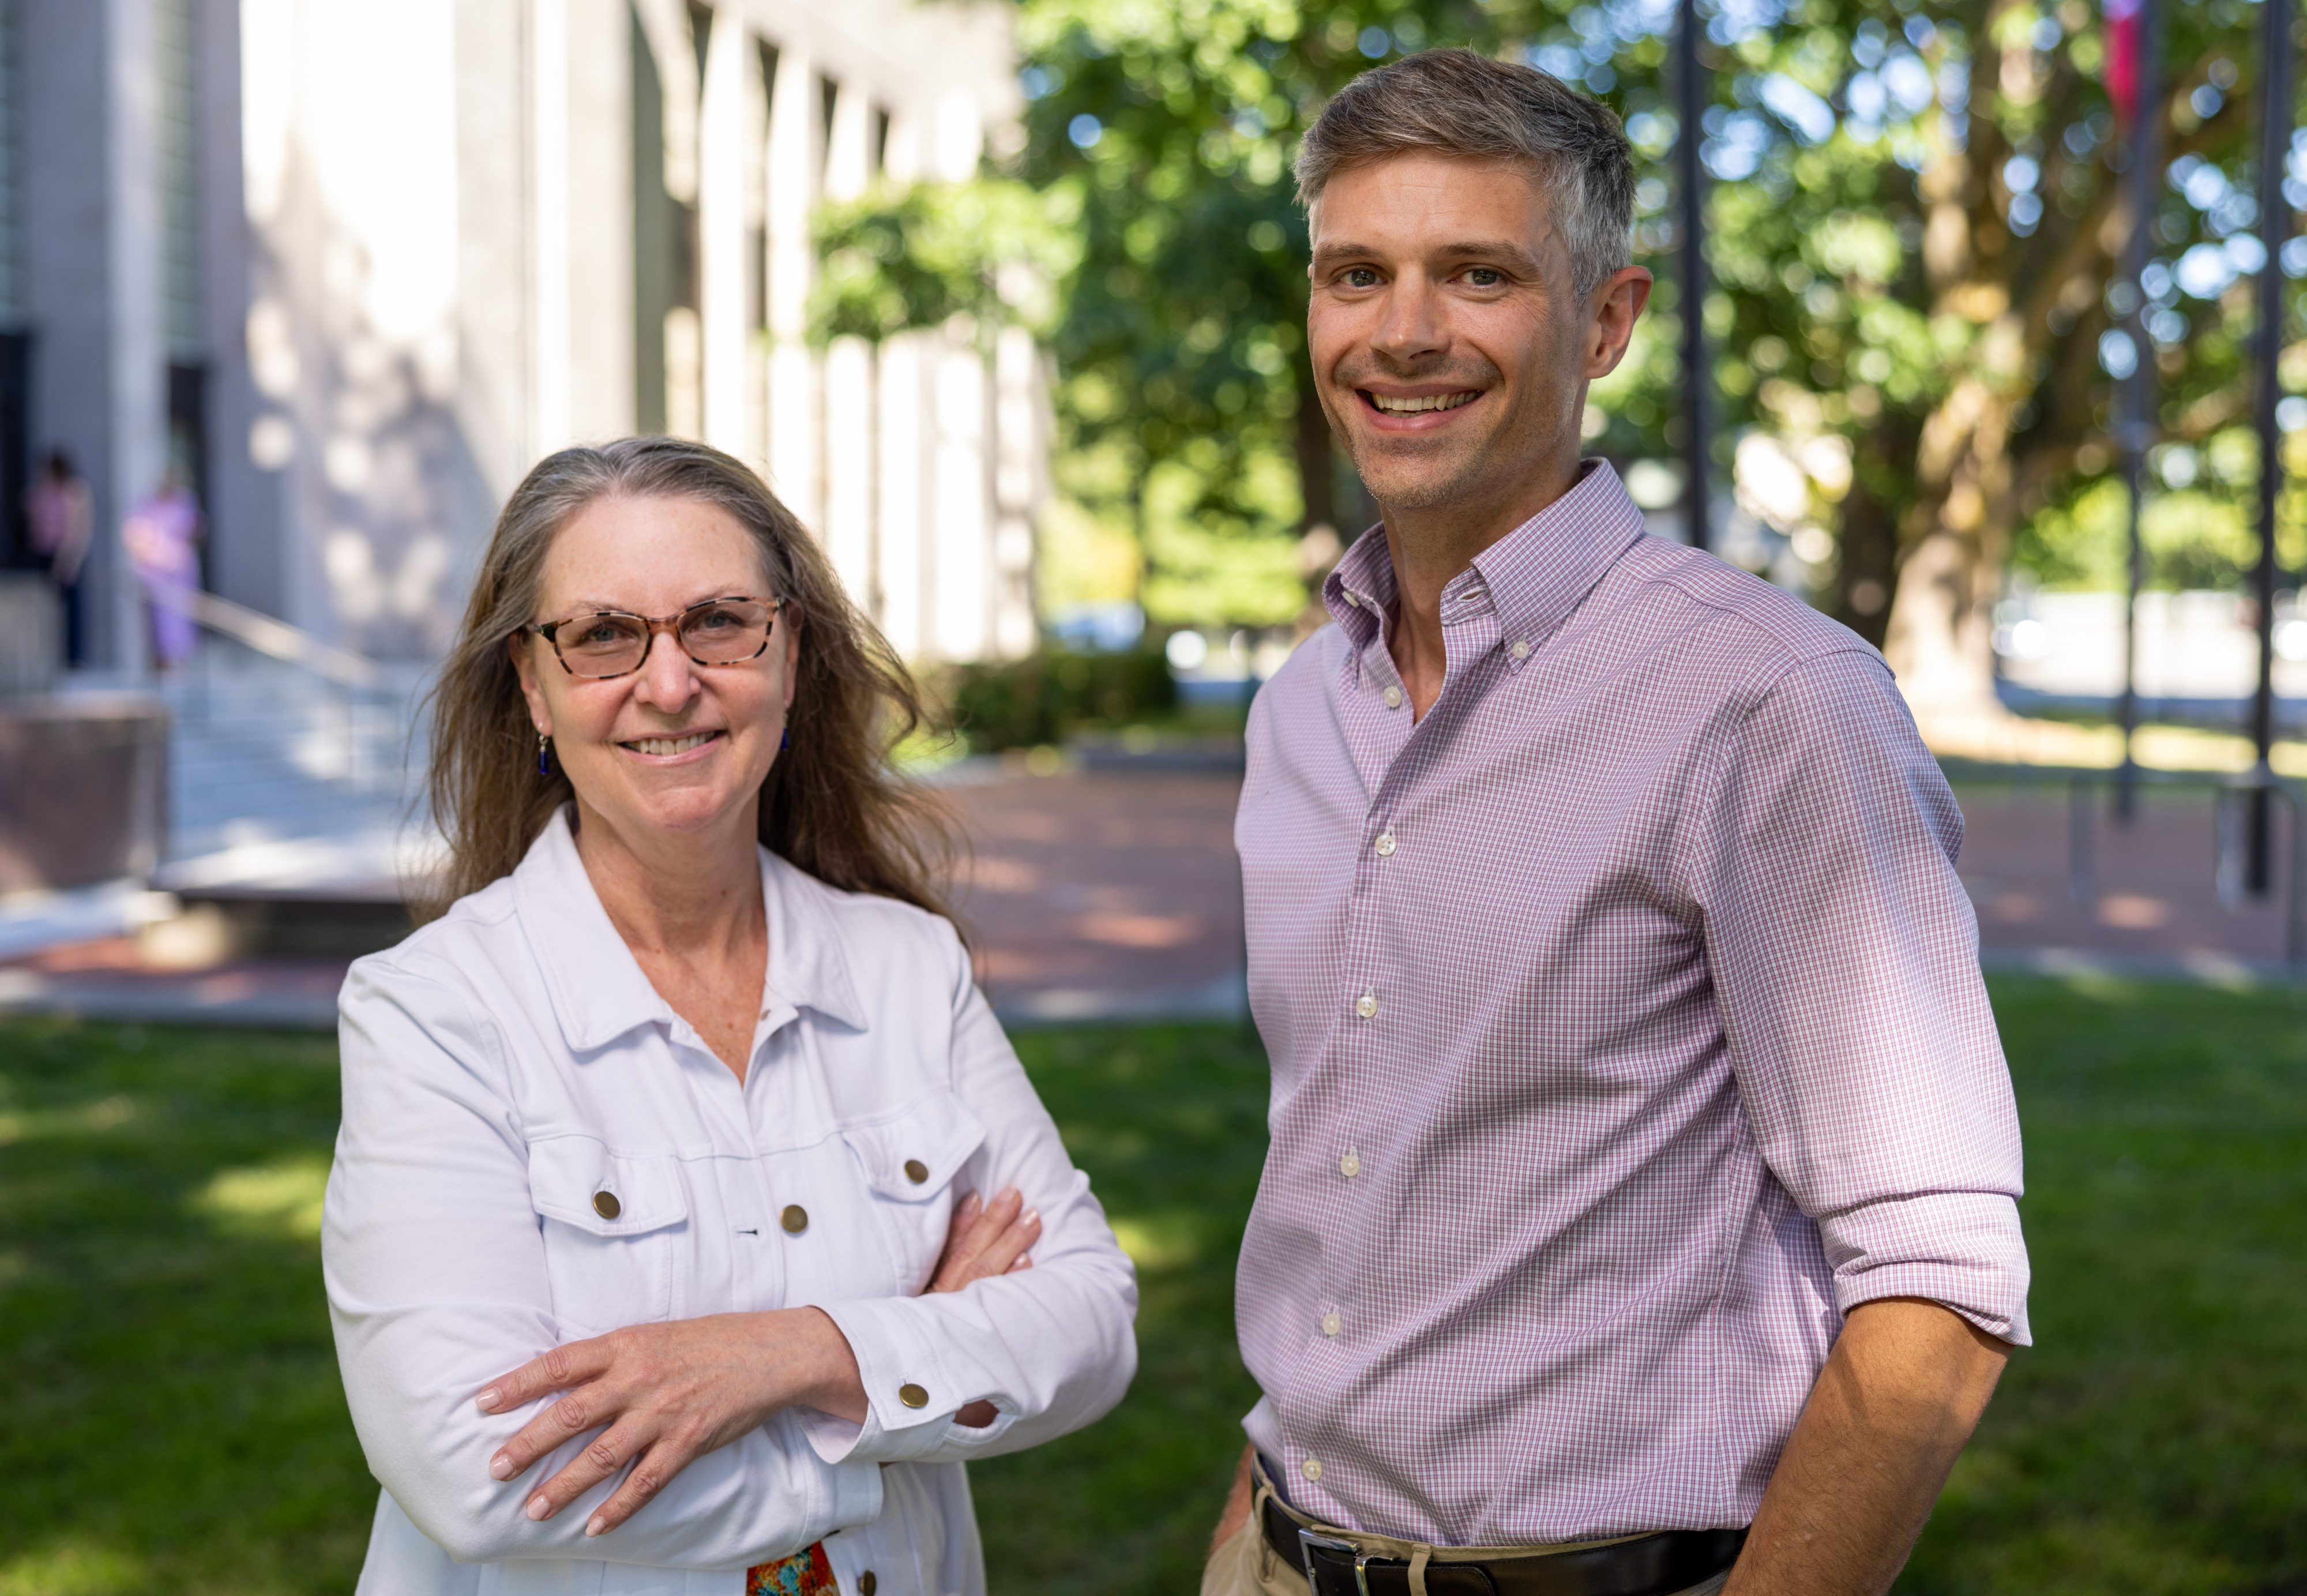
x: 1311, y: 1468
x: 913, y: 1395
x: 605, y: 1205
x: 916, y: 1171
x: 866, y: 1584
x: 795, y: 1219
x: 1350, y: 1165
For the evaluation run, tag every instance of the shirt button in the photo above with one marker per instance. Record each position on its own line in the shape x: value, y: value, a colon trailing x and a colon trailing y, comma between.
x: 1520, y: 648
x: 1393, y: 698
x: 867, y: 1583
x: 1365, y: 1005
x: 795, y: 1219
x: 1385, y: 844
x: 916, y: 1171
x: 913, y: 1395
x: 1311, y: 1468
x: 605, y: 1205
x: 1350, y: 1165
x: 1350, y: 599
x: 1332, y: 1323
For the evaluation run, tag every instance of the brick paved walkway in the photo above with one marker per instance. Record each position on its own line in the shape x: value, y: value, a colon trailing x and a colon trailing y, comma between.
x: 1107, y: 894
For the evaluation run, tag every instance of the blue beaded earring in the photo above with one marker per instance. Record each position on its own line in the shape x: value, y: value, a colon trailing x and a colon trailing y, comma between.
x: 544, y: 755
x: 785, y: 739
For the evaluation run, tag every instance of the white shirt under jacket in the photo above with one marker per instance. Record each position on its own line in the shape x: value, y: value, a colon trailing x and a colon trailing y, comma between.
x: 510, y: 1062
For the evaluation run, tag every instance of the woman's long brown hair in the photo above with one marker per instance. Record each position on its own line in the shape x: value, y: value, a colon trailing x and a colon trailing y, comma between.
x: 831, y: 804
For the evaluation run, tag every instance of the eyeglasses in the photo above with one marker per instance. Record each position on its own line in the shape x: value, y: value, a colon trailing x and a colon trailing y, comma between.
x: 608, y: 643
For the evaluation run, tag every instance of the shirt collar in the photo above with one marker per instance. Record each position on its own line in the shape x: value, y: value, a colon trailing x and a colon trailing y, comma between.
x: 598, y: 989
x: 1536, y: 574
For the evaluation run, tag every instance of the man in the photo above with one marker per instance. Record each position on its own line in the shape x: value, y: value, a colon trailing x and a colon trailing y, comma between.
x: 1641, y: 1196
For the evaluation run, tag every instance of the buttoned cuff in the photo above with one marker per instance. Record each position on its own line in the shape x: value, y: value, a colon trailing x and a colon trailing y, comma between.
x: 910, y: 1398
x: 1961, y: 1249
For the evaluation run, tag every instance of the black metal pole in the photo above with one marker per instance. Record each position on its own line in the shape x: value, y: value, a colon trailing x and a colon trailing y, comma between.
x: 2274, y: 213
x: 1696, y: 373
x: 2135, y: 431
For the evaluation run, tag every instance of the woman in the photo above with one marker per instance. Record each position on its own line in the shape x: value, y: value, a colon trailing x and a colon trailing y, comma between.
x: 678, y: 1099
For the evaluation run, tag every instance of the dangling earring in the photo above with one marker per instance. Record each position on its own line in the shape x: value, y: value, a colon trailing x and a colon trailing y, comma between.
x: 785, y: 739
x: 544, y: 755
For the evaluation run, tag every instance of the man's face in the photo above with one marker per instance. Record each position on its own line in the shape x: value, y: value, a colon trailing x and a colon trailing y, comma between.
x: 1448, y: 348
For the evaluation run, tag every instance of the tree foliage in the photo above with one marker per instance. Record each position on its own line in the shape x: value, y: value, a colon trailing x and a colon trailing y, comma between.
x: 1915, y: 220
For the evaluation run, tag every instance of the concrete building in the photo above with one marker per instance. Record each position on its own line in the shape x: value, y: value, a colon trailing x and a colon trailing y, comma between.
x: 353, y: 267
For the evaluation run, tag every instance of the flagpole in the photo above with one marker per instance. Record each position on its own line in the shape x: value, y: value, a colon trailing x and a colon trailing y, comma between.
x: 2274, y: 213
x: 2135, y: 434
x: 1691, y: 105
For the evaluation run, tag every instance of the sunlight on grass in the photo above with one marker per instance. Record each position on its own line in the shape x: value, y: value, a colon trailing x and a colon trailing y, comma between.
x: 1158, y: 1243
x: 279, y: 1198
x: 75, y: 1568
x: 105, y: 1114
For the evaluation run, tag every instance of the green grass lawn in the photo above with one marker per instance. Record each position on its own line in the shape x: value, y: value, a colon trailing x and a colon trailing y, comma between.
x: 173, y: 1419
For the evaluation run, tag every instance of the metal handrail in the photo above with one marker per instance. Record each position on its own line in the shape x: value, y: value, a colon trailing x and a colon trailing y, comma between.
x: 354, y: 677
x: 278, y: 640
x: 2083, y: 783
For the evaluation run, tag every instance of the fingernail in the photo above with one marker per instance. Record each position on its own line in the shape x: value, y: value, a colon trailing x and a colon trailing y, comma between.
x: 1032, y: 1216
x: 486, y: 1401
x: 598, y: 1526
x: 500, y: 1467
x: 538, y: 1507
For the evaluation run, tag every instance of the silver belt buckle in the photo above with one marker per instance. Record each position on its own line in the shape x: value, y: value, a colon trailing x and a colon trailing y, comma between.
x: 1307, y: 1539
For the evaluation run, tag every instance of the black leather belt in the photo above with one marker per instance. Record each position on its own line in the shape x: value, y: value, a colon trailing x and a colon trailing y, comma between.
x: 1652, y: 1566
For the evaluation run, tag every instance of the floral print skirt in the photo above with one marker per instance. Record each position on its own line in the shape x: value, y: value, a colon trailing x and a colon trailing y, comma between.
x: 804, y: 1574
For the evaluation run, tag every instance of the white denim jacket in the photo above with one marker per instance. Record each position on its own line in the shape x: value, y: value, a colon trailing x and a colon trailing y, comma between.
x: 509, y: 1064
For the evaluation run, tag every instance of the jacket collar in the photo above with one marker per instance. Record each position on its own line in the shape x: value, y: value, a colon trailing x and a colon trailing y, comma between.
x: 598, y: 990
x: 1536, y: 575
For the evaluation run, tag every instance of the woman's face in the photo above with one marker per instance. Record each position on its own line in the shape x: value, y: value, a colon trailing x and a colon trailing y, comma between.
x: 675, y: 746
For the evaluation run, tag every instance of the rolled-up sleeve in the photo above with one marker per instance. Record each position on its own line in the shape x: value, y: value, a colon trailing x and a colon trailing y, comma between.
x: 436, y: 1277
x: 1845, y: 958
x: 1051, y: 1347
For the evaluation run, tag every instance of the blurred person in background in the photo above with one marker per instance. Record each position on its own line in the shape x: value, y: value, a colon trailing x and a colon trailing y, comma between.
x: 1640, y: 1212
x: 693, y: 1220
x: 61, y: 520
x: 162, y: 536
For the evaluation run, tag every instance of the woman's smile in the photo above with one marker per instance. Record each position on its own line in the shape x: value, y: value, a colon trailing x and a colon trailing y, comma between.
x: 685, y: 748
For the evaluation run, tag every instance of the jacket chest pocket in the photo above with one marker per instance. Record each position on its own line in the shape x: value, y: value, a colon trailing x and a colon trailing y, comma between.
x: 908, y: 1162
x: 614, y: 1225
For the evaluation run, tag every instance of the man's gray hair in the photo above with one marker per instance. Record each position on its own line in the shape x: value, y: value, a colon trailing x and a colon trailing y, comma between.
x: 1456, y: 102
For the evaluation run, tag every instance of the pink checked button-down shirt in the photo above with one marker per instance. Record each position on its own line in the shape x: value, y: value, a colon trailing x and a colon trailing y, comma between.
x: 1626, y: 1029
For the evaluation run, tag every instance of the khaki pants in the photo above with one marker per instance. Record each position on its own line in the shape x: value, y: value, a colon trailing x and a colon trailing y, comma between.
x: 1243, y: 1564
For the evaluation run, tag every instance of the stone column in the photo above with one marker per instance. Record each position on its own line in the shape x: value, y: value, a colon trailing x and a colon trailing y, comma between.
x: 794, y: 170
x: 720, y: 172
x: 91, y: 231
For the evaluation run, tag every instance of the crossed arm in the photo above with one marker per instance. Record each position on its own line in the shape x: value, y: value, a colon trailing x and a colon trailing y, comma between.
x: 663, y: 1395
x: 1892, y: 1410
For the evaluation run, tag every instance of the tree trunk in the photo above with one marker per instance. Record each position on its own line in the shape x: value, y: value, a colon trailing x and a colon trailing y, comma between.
x: 1318, y: 471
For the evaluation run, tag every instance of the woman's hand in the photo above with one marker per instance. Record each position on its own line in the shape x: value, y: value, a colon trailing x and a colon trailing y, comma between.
x: 668, y: 1393
x: 985, y: 1240
x: 665, y: 1394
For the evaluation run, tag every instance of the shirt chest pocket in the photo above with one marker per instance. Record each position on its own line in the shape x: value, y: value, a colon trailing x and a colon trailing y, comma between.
x: 908, y: 1162
x: 614, y: 1225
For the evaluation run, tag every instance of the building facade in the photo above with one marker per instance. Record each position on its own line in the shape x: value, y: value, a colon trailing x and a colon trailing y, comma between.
x: 352, y: 268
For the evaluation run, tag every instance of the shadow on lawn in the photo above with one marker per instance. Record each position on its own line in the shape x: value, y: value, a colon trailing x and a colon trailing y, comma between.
x: 174, y: 1419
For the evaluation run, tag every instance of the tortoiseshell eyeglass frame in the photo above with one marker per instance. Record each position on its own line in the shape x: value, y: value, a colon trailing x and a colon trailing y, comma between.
x: 669, y: 625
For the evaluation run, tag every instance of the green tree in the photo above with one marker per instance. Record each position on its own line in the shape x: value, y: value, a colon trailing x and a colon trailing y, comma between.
x: 1915, y: 218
